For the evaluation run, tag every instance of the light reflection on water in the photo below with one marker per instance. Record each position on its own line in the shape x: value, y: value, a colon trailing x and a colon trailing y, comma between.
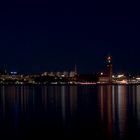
x: 109, y: 112
x: 113, y: 109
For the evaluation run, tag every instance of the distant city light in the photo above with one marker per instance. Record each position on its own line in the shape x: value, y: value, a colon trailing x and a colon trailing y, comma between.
x: 120, y: 75
x: 138, y: 78
x: 14, y: 73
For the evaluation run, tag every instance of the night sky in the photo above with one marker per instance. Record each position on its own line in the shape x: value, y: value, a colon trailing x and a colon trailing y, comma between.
x: 55, y: 36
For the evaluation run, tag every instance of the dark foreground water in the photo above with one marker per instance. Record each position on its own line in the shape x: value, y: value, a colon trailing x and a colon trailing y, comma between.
x: 69, y: 112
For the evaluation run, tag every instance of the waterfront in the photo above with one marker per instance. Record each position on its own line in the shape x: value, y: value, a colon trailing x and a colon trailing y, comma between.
x: 88, y: 111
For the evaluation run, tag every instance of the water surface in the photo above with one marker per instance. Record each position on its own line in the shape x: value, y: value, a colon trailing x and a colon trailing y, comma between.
x: 91, y: 112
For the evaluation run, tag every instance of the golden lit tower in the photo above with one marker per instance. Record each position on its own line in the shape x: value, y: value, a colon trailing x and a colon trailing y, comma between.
x: 109, y: 68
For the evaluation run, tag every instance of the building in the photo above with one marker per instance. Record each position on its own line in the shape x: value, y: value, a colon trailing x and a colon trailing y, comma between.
x: 106, y: 76
x: 109, y: 68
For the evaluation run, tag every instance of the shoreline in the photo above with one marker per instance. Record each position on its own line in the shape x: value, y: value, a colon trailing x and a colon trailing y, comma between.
x: 67, y: 84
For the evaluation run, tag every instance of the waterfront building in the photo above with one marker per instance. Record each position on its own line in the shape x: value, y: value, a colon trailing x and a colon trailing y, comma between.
x: 106, y: 76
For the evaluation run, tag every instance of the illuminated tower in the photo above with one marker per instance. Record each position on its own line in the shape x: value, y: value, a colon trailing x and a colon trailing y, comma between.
x: 109, y: 68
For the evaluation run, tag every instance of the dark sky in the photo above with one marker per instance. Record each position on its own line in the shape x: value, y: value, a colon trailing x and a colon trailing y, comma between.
x: 55, y: 36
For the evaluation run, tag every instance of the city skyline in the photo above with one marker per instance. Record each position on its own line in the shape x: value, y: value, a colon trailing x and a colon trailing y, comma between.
x: 107, y: 61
